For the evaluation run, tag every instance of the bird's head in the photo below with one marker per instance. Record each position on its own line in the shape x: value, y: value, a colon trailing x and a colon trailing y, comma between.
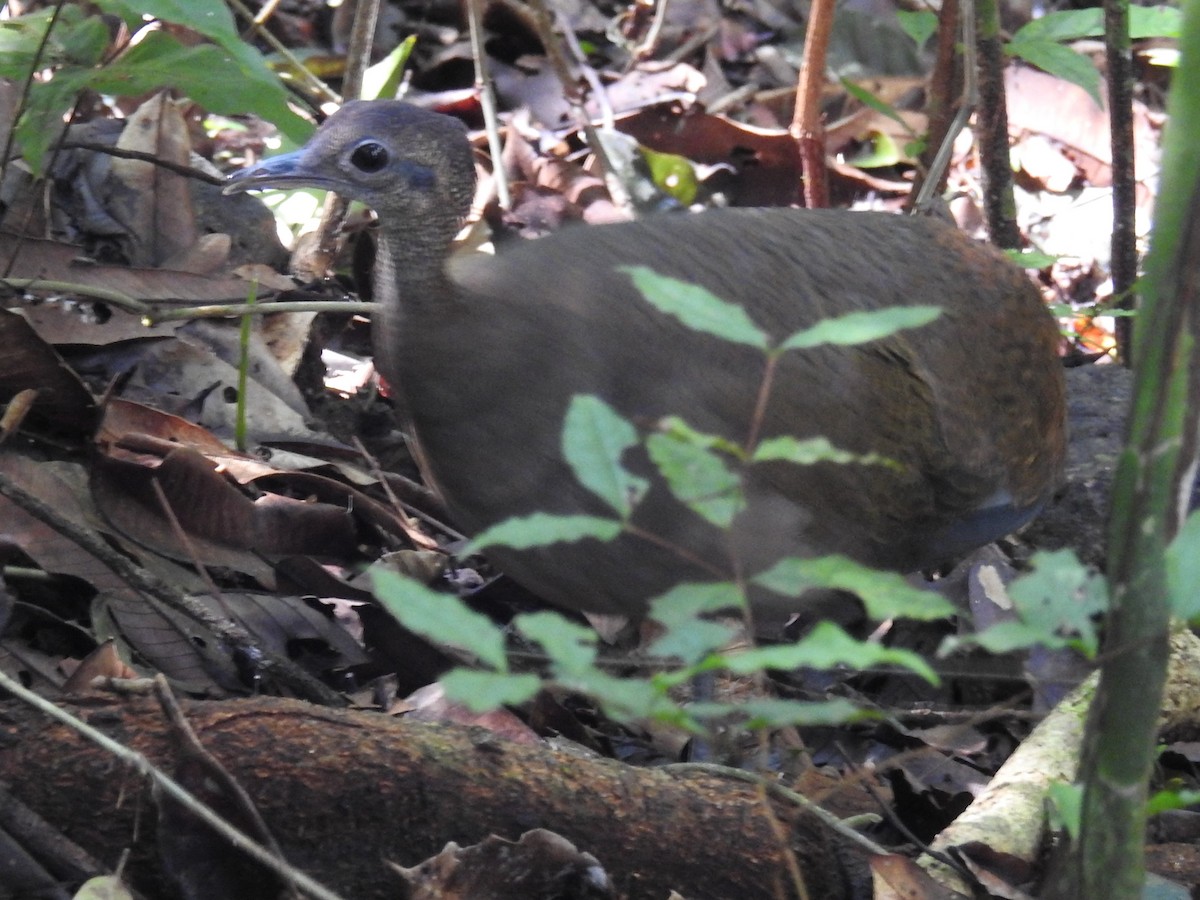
x: 406, y: 163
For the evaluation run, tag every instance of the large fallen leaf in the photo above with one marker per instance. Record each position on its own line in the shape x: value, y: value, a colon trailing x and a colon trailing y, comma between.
x: 63, y: 403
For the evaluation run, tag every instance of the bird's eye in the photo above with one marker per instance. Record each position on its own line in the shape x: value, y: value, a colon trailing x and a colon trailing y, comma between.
x: 369, y: 156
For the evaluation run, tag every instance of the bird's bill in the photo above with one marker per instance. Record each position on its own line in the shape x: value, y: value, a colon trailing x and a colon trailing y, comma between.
x: 284, y: 171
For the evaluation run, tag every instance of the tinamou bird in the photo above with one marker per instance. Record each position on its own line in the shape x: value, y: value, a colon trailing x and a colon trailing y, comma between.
x: 485, y: 354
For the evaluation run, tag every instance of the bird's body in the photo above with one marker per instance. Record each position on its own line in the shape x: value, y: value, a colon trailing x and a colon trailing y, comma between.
x: 486, y: 354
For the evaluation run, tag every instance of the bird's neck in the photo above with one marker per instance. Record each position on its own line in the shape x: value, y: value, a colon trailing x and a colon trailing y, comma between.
x: 410, y: 282
x: 410, y: 269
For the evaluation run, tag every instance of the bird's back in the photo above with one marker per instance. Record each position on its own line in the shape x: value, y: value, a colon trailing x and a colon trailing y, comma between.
x: 971, y: 405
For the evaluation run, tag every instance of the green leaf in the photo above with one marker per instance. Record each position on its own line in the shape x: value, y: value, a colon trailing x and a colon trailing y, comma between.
x: 695, y: 642
x: 1061, y: 597
x: 595, y: 436
x: 42, y: 121
x: 228, y: 76
x: 1062, y: 62
x: 543, y: 529
x: 382, y: 80
x: 1183, y: 570
x: 886, y: 595
x: 571, y: 650
x: 1066, y: 807
x: 1164, y: 801
x: 868, y: 99
x: 571, y: 647
x: 210, y: 18
x: 809, y: 451
x: 688, y: 636
x: 22, y: 36
x: 628, y: 699
x: 1005, y: 637
x: 264, y: 94
x: 674, y: 175
x: 696, y: 307
x: 442, y: 618
x: 1073, y: 24
x: 486, y: 691
x: 698, y: 477
x: 862, y: 326
x: 880, y: 153
x: 229, y: 80
x: 677, y: 428
x: 826, y: 647
x: 684, y: 602
x: 15, y: 65
x: 918, y: 25
x: 1031, y: 259
x: 1155, y: 21
x: 1055, y: 604
x: 1062, y: 25
x: 20, y: 39
x: 84, y: 44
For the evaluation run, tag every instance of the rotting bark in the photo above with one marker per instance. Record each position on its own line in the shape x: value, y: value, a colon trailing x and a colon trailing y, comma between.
x: 345, y: 790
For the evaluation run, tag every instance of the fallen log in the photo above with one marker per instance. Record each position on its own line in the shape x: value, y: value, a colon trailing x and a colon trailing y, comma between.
x: 343, y: 791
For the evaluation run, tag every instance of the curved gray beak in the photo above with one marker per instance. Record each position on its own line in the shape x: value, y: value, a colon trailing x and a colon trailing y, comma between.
x: 284, y: 171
